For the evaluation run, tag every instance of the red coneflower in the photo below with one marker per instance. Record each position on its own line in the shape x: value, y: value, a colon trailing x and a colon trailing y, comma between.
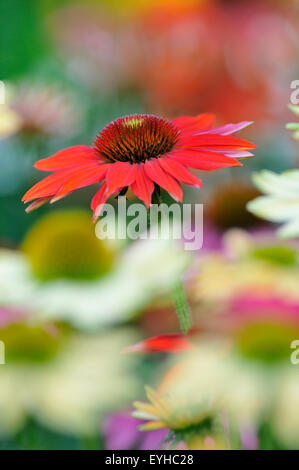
x: 144, y: 152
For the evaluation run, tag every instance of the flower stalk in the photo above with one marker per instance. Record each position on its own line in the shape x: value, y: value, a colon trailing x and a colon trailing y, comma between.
x: 182, y: 307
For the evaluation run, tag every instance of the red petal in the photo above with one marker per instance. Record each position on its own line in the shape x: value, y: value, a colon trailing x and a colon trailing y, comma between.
x: 217, y: 142
x: 202, y: 160
x: 202, y: 122
x: 178, y: 171
x: 163, y: 179
x: 36, y: 204
x: 47, y: 187
x: 120, y: 175
x: 174, y: 343
x: 83, y: 178
x: 98, y: 201
x: 76, y: 155
x: 143, y: 186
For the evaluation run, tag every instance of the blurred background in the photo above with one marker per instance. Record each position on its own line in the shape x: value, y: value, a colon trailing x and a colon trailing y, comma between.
x: 70, y: 304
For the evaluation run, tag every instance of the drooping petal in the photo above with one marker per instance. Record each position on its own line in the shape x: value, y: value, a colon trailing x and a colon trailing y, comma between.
x: 163, y: 179
x: 36, y: 204
x: 83, y: 178
x: 203, y: 160
x: 172, y: 343
x: 98, y: 201
x: 72, y: 178
x: 59, y: 195
x: 202, y: 122
x: 180, y: 172
x: 143, y: 186
x: 120, y: 175
x: 71, y: 156
x: 47, y: 187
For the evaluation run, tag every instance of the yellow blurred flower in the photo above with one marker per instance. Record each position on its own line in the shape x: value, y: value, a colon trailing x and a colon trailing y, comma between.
x: 66, y: 380
x: 214, y: 393
x: 10, y: 121
x: 245, y: 300
x: 64, y: 245
x: 245, y: 267
x: 192, y: 412
x: 285, y: 419
x: 166, y: 412
x: 66, y: 273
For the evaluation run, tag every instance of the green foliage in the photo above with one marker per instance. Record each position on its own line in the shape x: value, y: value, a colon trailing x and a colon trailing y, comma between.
x: 36, y: 437
x: 22, y: 39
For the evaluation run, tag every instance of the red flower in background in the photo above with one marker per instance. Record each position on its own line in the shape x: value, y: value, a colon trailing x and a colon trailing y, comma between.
x: 262, y: 312
x: 144, y: 152
x: 172, y: 343
x: 234, y: 57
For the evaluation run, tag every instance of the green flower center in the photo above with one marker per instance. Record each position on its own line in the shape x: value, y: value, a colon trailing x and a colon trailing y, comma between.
x: 280, y: 255
x: 63, y: 245
x: 29, y: 343
x: 267, y: 342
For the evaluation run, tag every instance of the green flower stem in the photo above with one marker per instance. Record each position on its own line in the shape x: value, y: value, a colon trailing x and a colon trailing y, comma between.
x: 178, y: 293
x: 182, y: 307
